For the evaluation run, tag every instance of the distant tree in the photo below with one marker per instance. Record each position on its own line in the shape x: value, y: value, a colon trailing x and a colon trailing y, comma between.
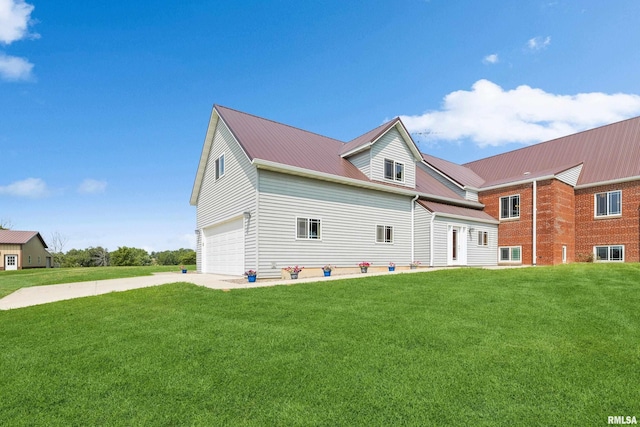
x: 166, y: 258
x: 188, y: 257
x: 77, y: 258
x: 5, y: 224
x: 99, y: 256
x: 125, y: 256
x: 57, y: 242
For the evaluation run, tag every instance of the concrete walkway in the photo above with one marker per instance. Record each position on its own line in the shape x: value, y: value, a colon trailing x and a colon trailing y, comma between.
x: 36, y: 295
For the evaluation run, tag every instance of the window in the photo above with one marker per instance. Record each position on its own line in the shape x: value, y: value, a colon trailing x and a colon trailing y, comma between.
x: 308, y: 228
x: 29, y: 259
x: 609, y: 253
x: 483, y: 238
x: 220, y: 166
x: 384, y: 234
x: 609, y: 203
x: 393, y: 170
x: 510, y: 207
x: 510, y: 254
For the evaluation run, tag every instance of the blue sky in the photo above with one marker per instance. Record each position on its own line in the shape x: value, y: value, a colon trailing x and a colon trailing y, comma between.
x: 104, y: 106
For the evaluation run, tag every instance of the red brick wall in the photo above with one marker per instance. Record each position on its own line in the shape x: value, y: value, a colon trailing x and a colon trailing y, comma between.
x: 512, y: 232
x: 555, y: 220
x: 624, y: 230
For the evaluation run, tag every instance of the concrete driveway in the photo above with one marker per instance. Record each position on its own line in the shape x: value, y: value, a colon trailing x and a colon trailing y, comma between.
x: 36, y: 295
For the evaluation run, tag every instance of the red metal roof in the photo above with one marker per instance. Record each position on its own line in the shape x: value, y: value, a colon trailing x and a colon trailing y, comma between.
x: 268, y: 140
x: 608, y: 153
x: 457, y: 210
x: 13, y: 237
x: 462, y: 175
x: 368, y: 137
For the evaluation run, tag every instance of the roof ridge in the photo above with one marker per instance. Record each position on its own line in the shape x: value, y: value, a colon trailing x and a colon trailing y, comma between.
x: 553, y: 140
x: 277, y: 123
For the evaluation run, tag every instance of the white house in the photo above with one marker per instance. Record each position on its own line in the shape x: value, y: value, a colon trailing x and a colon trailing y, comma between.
x: 269, y: 195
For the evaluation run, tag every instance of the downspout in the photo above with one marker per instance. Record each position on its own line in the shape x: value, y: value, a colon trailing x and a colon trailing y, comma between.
x: 535, y: 221
x: 413, y: 208
x: 433, y: 217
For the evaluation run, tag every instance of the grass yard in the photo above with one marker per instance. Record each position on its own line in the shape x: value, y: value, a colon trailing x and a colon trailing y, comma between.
x: 534, y: 346
x: 11, y: 281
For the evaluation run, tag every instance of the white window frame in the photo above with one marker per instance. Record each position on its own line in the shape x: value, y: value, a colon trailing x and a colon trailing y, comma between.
x: 219, y: 161
x: 609, y: 249
x: 384, y: 229
x: 483, y: 239
x: 510, y: 260
x: 510, y: 204
x: 308, y: 222
x: 394, y: 170
x: 608, y: 213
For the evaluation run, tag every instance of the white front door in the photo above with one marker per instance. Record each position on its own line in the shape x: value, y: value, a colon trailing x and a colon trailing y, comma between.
x: 11, y: 262
x: 457, y: 245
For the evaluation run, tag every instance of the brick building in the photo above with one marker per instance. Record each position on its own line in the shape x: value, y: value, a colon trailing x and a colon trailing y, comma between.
x: 569, y: 199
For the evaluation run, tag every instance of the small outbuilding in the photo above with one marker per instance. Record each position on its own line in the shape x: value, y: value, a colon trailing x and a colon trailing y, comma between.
x: 23, y: 249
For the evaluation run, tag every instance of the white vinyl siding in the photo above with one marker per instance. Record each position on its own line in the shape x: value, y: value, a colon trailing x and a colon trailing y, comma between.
x: 392, y: 146
x: 422, y: 241
x: 362, y: 161
x: 476, y: 255
x: 220, y: 200
x: 349, y: 217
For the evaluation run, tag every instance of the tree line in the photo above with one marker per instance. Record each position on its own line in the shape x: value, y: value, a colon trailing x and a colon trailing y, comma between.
x: 123, y: 256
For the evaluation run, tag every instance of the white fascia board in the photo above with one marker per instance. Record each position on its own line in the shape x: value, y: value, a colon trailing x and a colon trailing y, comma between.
x: 612, y: 181
x: 466, y: 218
x: 512, y: 183
x: 356, y: 150
x: 408, y: 140
x: 443, y: 175
x: 294, y: 170
x: 204, y: 156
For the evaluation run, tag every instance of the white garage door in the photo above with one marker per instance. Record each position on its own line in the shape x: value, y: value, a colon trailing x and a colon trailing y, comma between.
x: 224, y: 248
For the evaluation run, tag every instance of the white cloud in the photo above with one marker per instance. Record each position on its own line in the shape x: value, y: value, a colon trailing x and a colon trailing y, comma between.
x: 31, y: 187
x: 92, y: 186
x: 15, y: 20
x: 539, y: 43
x: 491, y: 59
x: 489, y: 115
x: 13, y: 68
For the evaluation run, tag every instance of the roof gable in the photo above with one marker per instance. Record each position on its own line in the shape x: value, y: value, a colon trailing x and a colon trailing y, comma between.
x: 363, y: 142
x: 608, y: 153
x: 272, y: 145
x: 14, y: 237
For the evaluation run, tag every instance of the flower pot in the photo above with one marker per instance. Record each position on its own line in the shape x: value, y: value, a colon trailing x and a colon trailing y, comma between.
x: 392, y: 268
x: 363, y: 269
x: 251, y: 278
x: 413, y: 267
x: 327, y: 273
x: 294, y: 275
x: 184, y: 271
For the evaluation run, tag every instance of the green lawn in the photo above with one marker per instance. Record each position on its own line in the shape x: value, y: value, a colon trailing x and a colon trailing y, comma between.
x: 11, y: 281
x: 535, y: 346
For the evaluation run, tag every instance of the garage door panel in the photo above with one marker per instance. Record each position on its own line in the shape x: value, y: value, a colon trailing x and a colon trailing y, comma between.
x: 224, y: 248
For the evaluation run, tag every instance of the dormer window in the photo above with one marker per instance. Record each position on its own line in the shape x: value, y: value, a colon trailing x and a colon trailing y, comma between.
x: 393, y: 170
